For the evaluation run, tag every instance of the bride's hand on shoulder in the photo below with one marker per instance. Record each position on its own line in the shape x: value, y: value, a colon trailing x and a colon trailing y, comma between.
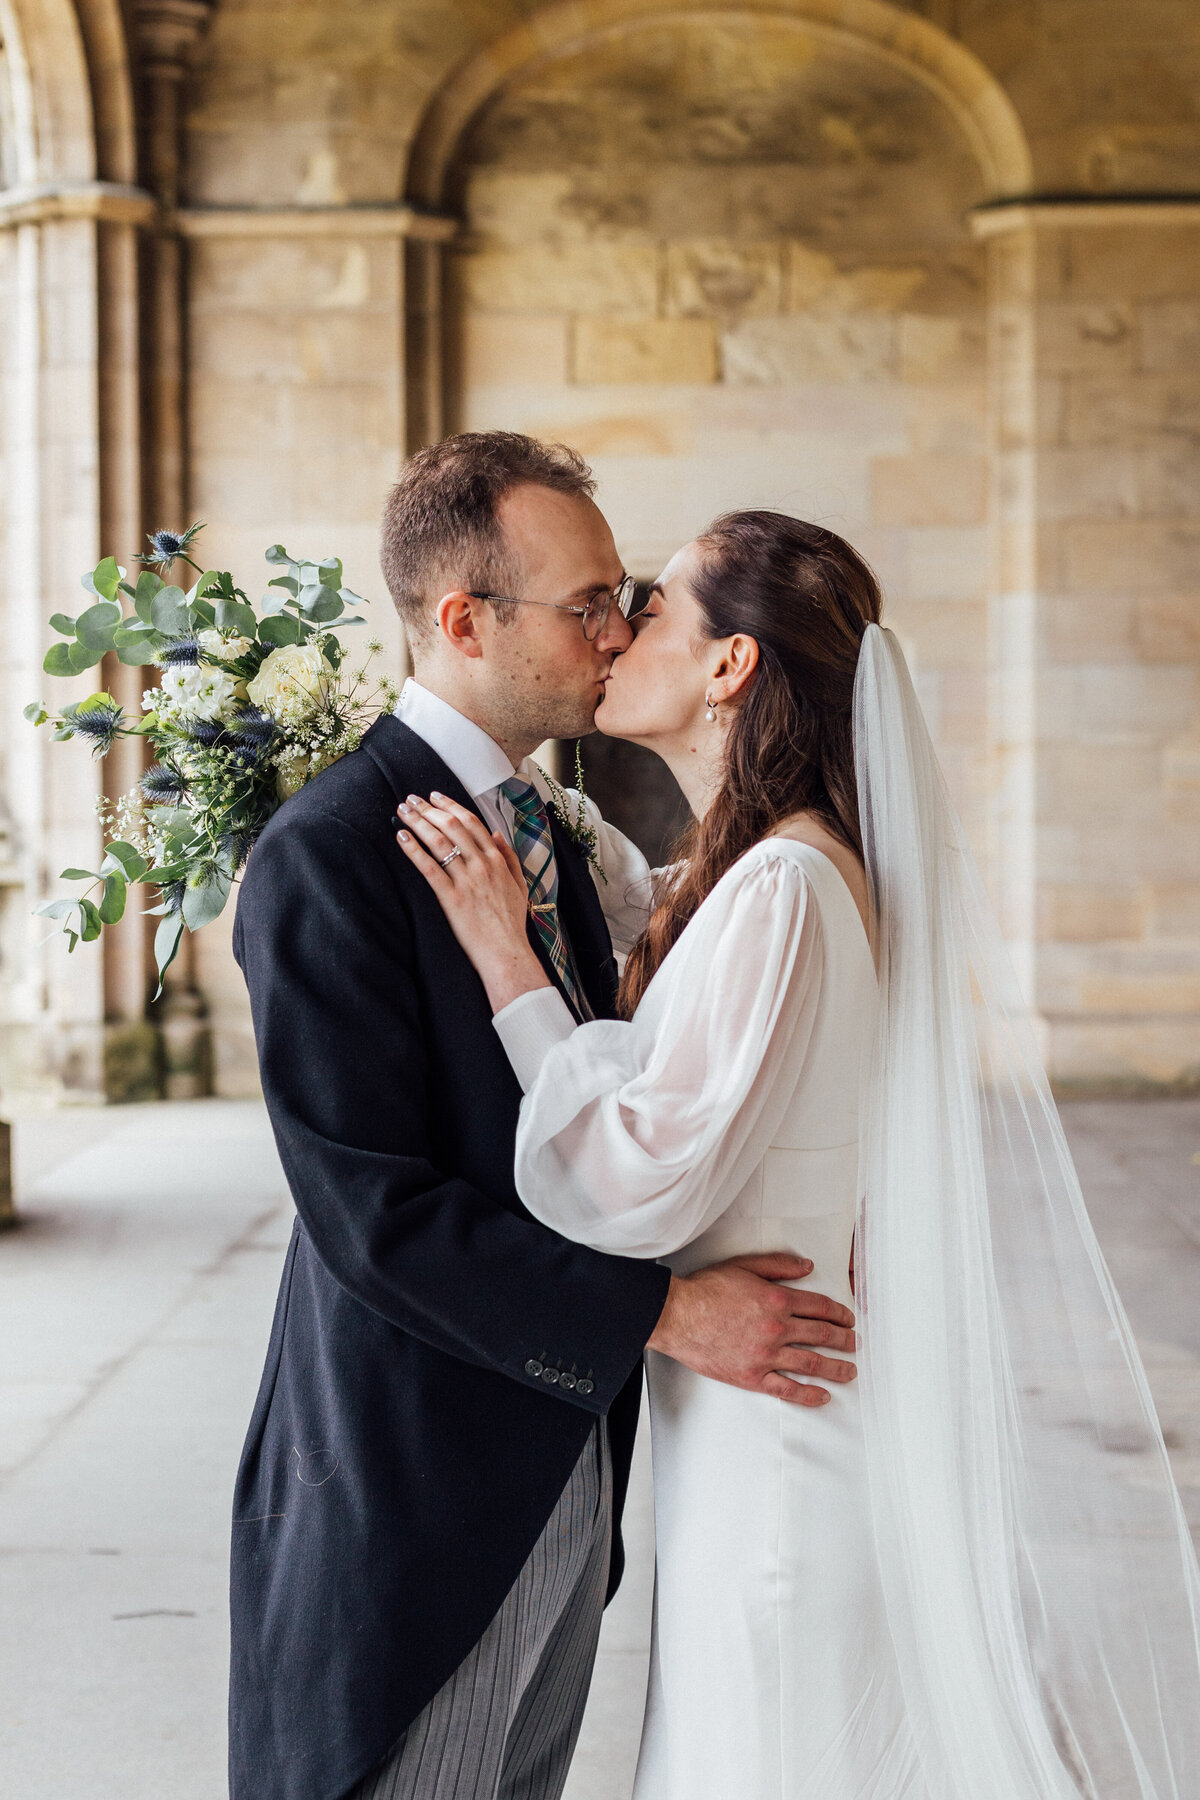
x: 478, y: 879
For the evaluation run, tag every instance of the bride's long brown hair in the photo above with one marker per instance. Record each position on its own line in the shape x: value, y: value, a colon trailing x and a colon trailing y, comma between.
x: 806, y: 598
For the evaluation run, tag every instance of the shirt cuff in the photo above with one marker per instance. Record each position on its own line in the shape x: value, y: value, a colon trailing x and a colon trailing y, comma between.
x: 529, y: 1027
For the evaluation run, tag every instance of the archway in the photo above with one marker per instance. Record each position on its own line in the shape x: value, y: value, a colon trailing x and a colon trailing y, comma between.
x: 724, y: 251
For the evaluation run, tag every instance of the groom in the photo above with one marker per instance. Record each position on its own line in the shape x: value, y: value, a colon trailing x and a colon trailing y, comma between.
x: 426, y: 1522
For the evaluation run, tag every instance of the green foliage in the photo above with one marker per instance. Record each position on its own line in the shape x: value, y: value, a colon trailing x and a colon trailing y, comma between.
x: 231, y: 774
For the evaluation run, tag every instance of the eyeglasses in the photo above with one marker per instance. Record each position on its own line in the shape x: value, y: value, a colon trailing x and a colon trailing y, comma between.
x: 594, y: 615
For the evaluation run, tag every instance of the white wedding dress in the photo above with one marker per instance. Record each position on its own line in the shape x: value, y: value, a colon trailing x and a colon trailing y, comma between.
x: 968, y: 1576
x: 724, y: 1120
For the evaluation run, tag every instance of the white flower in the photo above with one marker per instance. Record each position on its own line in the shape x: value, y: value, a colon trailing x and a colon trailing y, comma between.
x: 191, y: 692
x: 291, y: 683
x: 225, y: 649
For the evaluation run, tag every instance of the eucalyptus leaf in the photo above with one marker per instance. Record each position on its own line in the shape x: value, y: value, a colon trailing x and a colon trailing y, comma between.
x: 351, y: 598
x: 64, y: 623
x: 328, y: 605
x: 203, y: 614
x: 166, y: 945
x: 272, y: 604
x: 203, y: 903
x: 284, y: 629
x: 124, y: 856
x: 35, y: 712
x: 112, y: 903
x: 92, y: 922
x: 136, y: 655
x: 331, y: 566
x: 209, y: 579
x: 82, y: 657
x: 94, y: 628
x: 233, y: 617
x: 107, y: 577
x: 79, y: 875
x: 57, y: 660
x: 149, y: 584
x: 277, y: 554
x: 286, y: 581
x: 57, y: 909
x: 169, y: 612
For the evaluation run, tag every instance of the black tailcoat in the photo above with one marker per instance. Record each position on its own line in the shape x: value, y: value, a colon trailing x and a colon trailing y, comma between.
x: 404, y: 1452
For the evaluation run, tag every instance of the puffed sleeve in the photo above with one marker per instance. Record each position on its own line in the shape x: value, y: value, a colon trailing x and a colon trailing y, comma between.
x: 635, y: 1136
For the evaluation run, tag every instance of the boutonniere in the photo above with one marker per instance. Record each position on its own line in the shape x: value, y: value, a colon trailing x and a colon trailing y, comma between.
x: 574, y: 819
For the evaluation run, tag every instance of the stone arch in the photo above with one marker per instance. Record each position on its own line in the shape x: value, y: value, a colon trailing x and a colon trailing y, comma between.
x: 51, y: 98
x: 945, y: 67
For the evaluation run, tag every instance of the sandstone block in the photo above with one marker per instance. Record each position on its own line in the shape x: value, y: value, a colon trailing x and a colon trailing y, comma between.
x: 946, y: 562
x: 1173, y: 909
x: 1096, y: 337
x: 576, y: 278
x: 1089, y: 627
x: 1166, y: 627
x: 807, y: 348
x: 1087, y: 784
x: 1169, y: 333
x: 711, y: 277
x: 1089, y: 915
x: 611, y: 351
x: 1138, y: 556
x: 503, y: 350
x: 1075, y: 484
x: 947, y: 634
x: 933, y: 348
x: 1146, y: 263
x: 928, y: 490
x: 1168, y: 480
x: 1124, y: 410
x: 653, y: 433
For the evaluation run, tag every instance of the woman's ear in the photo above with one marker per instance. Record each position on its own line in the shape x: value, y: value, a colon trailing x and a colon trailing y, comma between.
x: 737, y: 661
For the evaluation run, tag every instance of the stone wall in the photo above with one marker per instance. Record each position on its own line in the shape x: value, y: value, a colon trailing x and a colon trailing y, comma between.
x: 729, y: 253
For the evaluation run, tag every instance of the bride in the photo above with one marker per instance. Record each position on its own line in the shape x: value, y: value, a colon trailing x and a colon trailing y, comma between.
x: 967, y: 1576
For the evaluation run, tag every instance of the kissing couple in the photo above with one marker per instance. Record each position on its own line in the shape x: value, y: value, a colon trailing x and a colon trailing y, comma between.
x: 942, y: 1561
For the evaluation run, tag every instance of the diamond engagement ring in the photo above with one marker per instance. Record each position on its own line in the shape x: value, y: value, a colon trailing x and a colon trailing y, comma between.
x: 442, y: 861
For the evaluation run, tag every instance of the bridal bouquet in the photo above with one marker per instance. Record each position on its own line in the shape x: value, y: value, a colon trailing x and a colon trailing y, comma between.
x: 249, y: 705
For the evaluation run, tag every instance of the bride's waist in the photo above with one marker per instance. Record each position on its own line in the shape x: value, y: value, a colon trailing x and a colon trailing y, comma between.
x: 826, y: 1238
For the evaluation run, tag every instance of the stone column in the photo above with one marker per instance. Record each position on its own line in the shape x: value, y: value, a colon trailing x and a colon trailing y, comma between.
x: 1095, y: 618
x: 166, y: 34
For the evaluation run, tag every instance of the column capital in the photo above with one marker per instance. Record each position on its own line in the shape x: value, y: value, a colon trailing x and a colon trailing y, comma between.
x: 111, y: 202
x: 167, y: 32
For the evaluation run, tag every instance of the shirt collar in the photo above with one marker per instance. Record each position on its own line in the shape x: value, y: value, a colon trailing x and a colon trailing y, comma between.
x: 465, y: 748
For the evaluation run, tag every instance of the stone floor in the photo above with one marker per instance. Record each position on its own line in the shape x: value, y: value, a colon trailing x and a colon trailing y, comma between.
x: 134, y: 1305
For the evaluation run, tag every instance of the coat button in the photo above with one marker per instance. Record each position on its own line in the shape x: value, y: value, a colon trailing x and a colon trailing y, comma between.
x: 533, y: 1367
x: 550, y: 1376
x: 585, y: 1386
x: 567, y: 1381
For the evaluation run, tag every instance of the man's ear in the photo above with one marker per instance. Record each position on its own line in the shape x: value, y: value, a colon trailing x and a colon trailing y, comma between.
x: 457, y: 621
x: 736, y: 664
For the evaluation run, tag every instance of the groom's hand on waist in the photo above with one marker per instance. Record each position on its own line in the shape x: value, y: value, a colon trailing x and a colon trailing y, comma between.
x: 735, y: 1322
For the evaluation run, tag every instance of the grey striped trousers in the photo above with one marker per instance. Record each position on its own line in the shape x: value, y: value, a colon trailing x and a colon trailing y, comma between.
x: 505, y: 1724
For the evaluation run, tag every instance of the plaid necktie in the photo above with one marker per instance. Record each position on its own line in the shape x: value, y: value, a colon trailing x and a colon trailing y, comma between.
x: 535, y: 848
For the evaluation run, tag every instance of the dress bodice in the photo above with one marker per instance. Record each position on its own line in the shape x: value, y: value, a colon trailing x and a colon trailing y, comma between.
x: 723, y: 1118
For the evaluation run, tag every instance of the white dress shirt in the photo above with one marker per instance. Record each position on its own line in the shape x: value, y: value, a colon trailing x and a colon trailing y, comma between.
x: 623, y: 878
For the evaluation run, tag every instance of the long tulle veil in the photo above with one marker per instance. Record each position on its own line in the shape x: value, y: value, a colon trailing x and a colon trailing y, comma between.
x: 1041, y: 1585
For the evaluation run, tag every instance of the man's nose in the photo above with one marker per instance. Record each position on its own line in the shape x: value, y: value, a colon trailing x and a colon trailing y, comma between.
x: 617, y: 634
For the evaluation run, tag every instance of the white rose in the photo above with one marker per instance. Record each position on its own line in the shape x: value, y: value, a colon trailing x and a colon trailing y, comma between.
x: 225, y: 649
x: 291, y: 682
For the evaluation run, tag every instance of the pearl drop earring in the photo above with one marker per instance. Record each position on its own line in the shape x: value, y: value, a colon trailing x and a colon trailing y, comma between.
x: 711, y: 708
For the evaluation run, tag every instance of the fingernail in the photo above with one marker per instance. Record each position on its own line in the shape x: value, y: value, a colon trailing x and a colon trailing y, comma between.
x: 434, y: 795
x: 806, y: 1264
x: 414, y: 800
x: 403, y: 836
x: 395, y: 822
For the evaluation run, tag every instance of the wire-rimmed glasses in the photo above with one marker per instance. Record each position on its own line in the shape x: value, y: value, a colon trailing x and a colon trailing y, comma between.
x: 594, y: 615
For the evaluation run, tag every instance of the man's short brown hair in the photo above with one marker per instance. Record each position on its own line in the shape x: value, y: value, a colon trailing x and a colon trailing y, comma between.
x: 440, y: 529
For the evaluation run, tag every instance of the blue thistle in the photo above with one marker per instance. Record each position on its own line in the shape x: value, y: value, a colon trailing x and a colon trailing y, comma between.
x: 173, y: 894
x: 253, y: 730
x: 100, y: 720
x: 167, y: 547
x: 164, y: 785
x: 179, y: 652
x: 205, y: 732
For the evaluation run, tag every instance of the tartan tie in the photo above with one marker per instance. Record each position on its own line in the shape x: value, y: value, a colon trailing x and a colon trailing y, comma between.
x: 535, y: 848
